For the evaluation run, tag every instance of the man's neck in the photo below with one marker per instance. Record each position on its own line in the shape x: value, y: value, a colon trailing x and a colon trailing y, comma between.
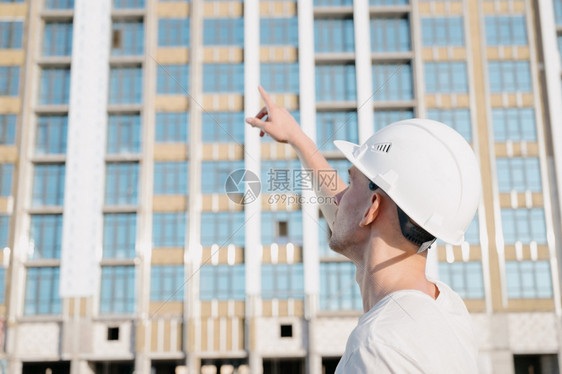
x: 386, y: 270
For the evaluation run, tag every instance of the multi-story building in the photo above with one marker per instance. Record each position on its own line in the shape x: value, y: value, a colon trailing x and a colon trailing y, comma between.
x: 122, y: 122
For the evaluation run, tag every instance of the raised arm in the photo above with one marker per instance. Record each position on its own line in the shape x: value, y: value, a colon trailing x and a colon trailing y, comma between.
x: 281, y: 126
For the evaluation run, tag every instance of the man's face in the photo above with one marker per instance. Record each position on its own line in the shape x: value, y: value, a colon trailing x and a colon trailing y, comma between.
x: 352, y: 203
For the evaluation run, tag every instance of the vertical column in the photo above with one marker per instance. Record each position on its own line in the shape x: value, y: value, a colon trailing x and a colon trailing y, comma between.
x: 144, y: 215
x: 84, y: 183
x: 363, y: 73
x: 309, y: 211
x: 192, y: 309
x: 252, y: 147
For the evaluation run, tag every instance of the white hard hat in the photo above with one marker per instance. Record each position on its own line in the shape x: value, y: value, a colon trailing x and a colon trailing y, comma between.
x: 428, y: 170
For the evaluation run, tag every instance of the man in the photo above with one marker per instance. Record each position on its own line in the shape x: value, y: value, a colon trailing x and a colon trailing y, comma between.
x: 410, y: 183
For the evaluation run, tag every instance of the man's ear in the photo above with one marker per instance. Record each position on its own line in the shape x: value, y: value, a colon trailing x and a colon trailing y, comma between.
x: 372, y: 211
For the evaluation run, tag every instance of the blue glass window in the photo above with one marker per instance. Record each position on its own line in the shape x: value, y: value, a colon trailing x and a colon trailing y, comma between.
x: 45, y: 236
x: 334, y: 35
x: 386, y: 117
x: 458, y: 119
x: 57, y: 39
x: 445, y: 77
x: 338, y: 288
x: 171, y: 127
x: 222, y: 228
x: 7, y: 129
x: 59, y: 4
x: 222, y: 282
x: 282, y: 281
x: 117, y: 290
x: 558, y: 12
x: 170, y: 178
x: 281, y: 227
x: 341, y: 167
x: 6, y: 173
x: 509, y: 76
x: 4, y: 230
x: 223, y: 31
x: 280, y: 177
x: 335, y: 83
x: 121, y: 183
x: 11, y: 34
x: 390, y: 35
x: 515, y: 124
x: 123, y: 4
x: 463, y: 277
x: 279, y: 31
x: 442, y: 31
x: 225, y: 127
x: 523, y: 225
x: 333, y: 2
x: 128, y: 38
x: 528, y: 279
x: 173, y: 79
x: 173, y: 32
x: 223, y: 78
x: 51, y: 135
x: 42, y: 291
x: 519, y: 174
x: 119, y: 235
x: 167, y: 283
x: 123, y: 133
x: 168, y: 229
x: 125, y: 85
x: 215, y: 173
x: 48, y: 185
x: 280, y: 77
x: 55, y: 86
x: 506, y: 30
x: 472, y: 234
x: 332, y: 126
x: 9, y: 80
x: 392, y: 82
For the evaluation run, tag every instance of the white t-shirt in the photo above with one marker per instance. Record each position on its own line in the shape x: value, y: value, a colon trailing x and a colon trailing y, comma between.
x: 410, y: 332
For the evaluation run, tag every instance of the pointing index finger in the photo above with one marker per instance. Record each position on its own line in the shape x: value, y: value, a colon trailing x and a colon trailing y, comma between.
x: 265, y: 96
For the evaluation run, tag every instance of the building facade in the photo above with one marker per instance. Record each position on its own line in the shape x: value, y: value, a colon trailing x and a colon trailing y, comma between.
x: 129, y: 244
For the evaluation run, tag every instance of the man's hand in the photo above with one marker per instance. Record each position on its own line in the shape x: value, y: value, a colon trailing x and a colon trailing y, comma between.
x: 278, y: 122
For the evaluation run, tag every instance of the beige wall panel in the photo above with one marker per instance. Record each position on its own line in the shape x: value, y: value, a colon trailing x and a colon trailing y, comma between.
x: 430, y: 101
x: 8, y: 153
x: 278, y: 54
x: 172, y: 55
x: 154, y: 336
x: 492, y: 53
x: 5, y: 205
x: 179, y: 336
x: 511, y: 254
x: 523, y: 53
x: 218, y: 334
x: 223, y: 151
x: 172, y: 103
x: 172, y: 10
x: 218, y: 9
x: 223, y: 54
x: 10, y: 105
x: 528, y: 100
x: 427, y: 54
x: 283, y: 308
x: 488, y: 7
x: 167, y: 336
x: 496, y: 100
x: 288, y: 101
x: 3, y: 310
x: 170, y: 152
x: 425, y: 8
x: 527, y: 305
x: 83, y: 306
x: 223, y: 102
x: 140, y: 334
x: 299, y: 308
x: 475, y: 305
x: 203, y: 334
x: 12, y: 57
x: 463, y: 101
x: 446, y: 101
x: 228, y: 335
x: 169, y: 203
x: 536, y: 198
x: 531, y: 150
x: 13, y: 10
x: 459, y: 53
x: 456, y: 7
x: 267, y: 308
x: 167, y: 256
x: 205, y: 309
x: 278, y: 9
x: 240, y: 310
